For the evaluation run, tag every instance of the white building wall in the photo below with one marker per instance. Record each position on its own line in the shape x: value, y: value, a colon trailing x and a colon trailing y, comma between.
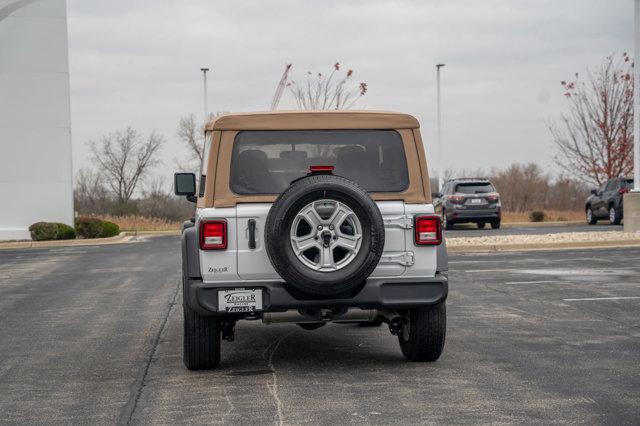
x: 35, y: 128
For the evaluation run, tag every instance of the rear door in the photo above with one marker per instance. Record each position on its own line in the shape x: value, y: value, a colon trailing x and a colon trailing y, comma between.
x: 266, y: 162
x: 478, y: 196
x: 394, y: 257
x: 253, y: 260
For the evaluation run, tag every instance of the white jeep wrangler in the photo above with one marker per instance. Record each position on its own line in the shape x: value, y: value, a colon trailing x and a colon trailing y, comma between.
x: 312, y: 217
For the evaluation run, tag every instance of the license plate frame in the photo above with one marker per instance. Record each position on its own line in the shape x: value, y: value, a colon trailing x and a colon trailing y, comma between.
x: 476, y: 201
x: 238, y: 300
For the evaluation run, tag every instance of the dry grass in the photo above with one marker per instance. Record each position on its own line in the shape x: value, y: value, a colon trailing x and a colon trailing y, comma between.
x: 550, y: 216
x: 142, y: 223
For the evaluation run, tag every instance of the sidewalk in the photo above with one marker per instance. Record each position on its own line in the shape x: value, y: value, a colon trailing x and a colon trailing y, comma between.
x: 557, y: 241
x: 123, y: 237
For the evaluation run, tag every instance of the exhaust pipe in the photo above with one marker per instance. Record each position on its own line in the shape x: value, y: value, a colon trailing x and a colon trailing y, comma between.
x: 322, y: 315
x: 392, y: 318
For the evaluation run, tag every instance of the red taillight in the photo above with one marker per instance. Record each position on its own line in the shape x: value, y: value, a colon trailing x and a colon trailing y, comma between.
x: 623, y: 191
x: 213, y: 234
x: 321, y: 168
x: 493, y: 197
x: 456, y: 198
x: 428, y: 230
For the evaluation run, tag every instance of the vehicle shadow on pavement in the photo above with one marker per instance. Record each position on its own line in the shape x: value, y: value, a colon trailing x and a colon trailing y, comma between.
x: 333, y: 344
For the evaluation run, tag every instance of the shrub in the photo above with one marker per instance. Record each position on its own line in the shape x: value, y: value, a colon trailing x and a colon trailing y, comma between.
x: 88, y: 227
x: 537, y: 216
x: 91, y: 227
x: 109, y: 229
x: 43, y: 231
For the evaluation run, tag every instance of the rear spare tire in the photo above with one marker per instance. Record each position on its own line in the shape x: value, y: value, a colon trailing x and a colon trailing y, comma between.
x: 324, y: 236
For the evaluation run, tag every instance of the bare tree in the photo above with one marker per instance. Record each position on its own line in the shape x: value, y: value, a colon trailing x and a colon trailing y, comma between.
x: 595, y: 136
x: 331, y: 91
x: 158, y: 202
x: 522, y: 187
x: 192, y: 135
x: 90, y: 196
x: 566, y: 194
x: 124, y: 158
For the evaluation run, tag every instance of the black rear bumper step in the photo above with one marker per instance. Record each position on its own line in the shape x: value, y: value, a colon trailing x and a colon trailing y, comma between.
x: 376, y: 294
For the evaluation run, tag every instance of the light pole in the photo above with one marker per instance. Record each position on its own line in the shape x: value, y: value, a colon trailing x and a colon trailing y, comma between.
x: 439, y: 128
x: 636, y: 100
x: 206, y: 109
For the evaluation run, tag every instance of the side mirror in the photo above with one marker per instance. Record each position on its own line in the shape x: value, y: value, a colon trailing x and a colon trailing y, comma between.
x: 436, y: 195
x: 594, y: 192
x: 184, y: 184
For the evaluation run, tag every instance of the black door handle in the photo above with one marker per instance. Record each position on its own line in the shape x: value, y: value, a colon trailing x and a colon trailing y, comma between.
x: 252, y: 233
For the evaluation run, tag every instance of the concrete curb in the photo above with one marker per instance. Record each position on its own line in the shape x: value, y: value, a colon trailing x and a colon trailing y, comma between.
x: 542, y: 246
x: 120, y: 238
x: 151, y: 233
x: 542, y: 224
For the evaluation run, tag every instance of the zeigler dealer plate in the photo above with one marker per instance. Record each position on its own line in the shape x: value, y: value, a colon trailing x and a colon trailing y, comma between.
x: 240, y: 300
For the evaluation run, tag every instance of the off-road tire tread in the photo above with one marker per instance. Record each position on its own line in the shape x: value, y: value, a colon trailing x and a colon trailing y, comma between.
x: 201, y: 341
x: 427, y: 333
x: 618, y: 216
x: 449, y: 223
x: 594, y: 219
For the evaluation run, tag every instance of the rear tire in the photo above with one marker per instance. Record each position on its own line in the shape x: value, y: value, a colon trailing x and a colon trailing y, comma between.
x: 481, y: 225
x: 495, y: 224
x: 201, y: 341
x: 422, y: 337
x: 448, y: 225
x: 591, y: 218
x: 615, y: 216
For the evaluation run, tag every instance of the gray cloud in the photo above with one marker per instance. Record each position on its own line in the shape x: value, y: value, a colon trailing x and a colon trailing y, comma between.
x: 138, y: 63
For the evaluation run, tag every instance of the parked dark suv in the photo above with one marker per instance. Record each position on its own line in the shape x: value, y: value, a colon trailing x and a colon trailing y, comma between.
x: 606, y: 201
x: 469, y: 200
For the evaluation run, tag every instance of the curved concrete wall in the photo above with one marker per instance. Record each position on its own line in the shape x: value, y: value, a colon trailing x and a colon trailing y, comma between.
x: 35, y: 128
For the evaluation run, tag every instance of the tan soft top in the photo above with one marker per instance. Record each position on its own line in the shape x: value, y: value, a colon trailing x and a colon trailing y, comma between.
x: 317, y: 120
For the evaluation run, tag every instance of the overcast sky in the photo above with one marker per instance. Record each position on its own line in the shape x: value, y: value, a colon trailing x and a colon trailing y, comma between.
x: 137, y: 63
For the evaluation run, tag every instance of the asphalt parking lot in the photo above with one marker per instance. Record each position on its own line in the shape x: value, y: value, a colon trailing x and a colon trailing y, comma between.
x: 93, y: 335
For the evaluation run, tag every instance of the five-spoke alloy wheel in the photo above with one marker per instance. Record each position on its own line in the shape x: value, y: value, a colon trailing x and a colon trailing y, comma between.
x: 326, y: 235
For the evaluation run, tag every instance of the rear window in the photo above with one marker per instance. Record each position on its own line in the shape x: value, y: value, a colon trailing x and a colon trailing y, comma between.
x: 474, y: 188
x: 627, y: 183
x: 266, y: 162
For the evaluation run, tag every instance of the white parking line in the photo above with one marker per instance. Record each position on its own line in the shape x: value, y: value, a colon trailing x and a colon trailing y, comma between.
x: 602, y: 298
x: 531, y: 282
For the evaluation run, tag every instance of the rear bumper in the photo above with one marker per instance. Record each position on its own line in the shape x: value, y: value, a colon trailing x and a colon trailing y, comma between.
x: 376, y: 294
x: 471, y: 215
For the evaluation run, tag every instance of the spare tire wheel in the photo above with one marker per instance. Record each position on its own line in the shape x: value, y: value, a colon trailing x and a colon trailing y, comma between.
x: 324, y: 236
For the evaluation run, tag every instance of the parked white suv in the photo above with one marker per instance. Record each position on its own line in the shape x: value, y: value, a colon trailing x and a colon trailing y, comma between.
x: 312, y: 217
